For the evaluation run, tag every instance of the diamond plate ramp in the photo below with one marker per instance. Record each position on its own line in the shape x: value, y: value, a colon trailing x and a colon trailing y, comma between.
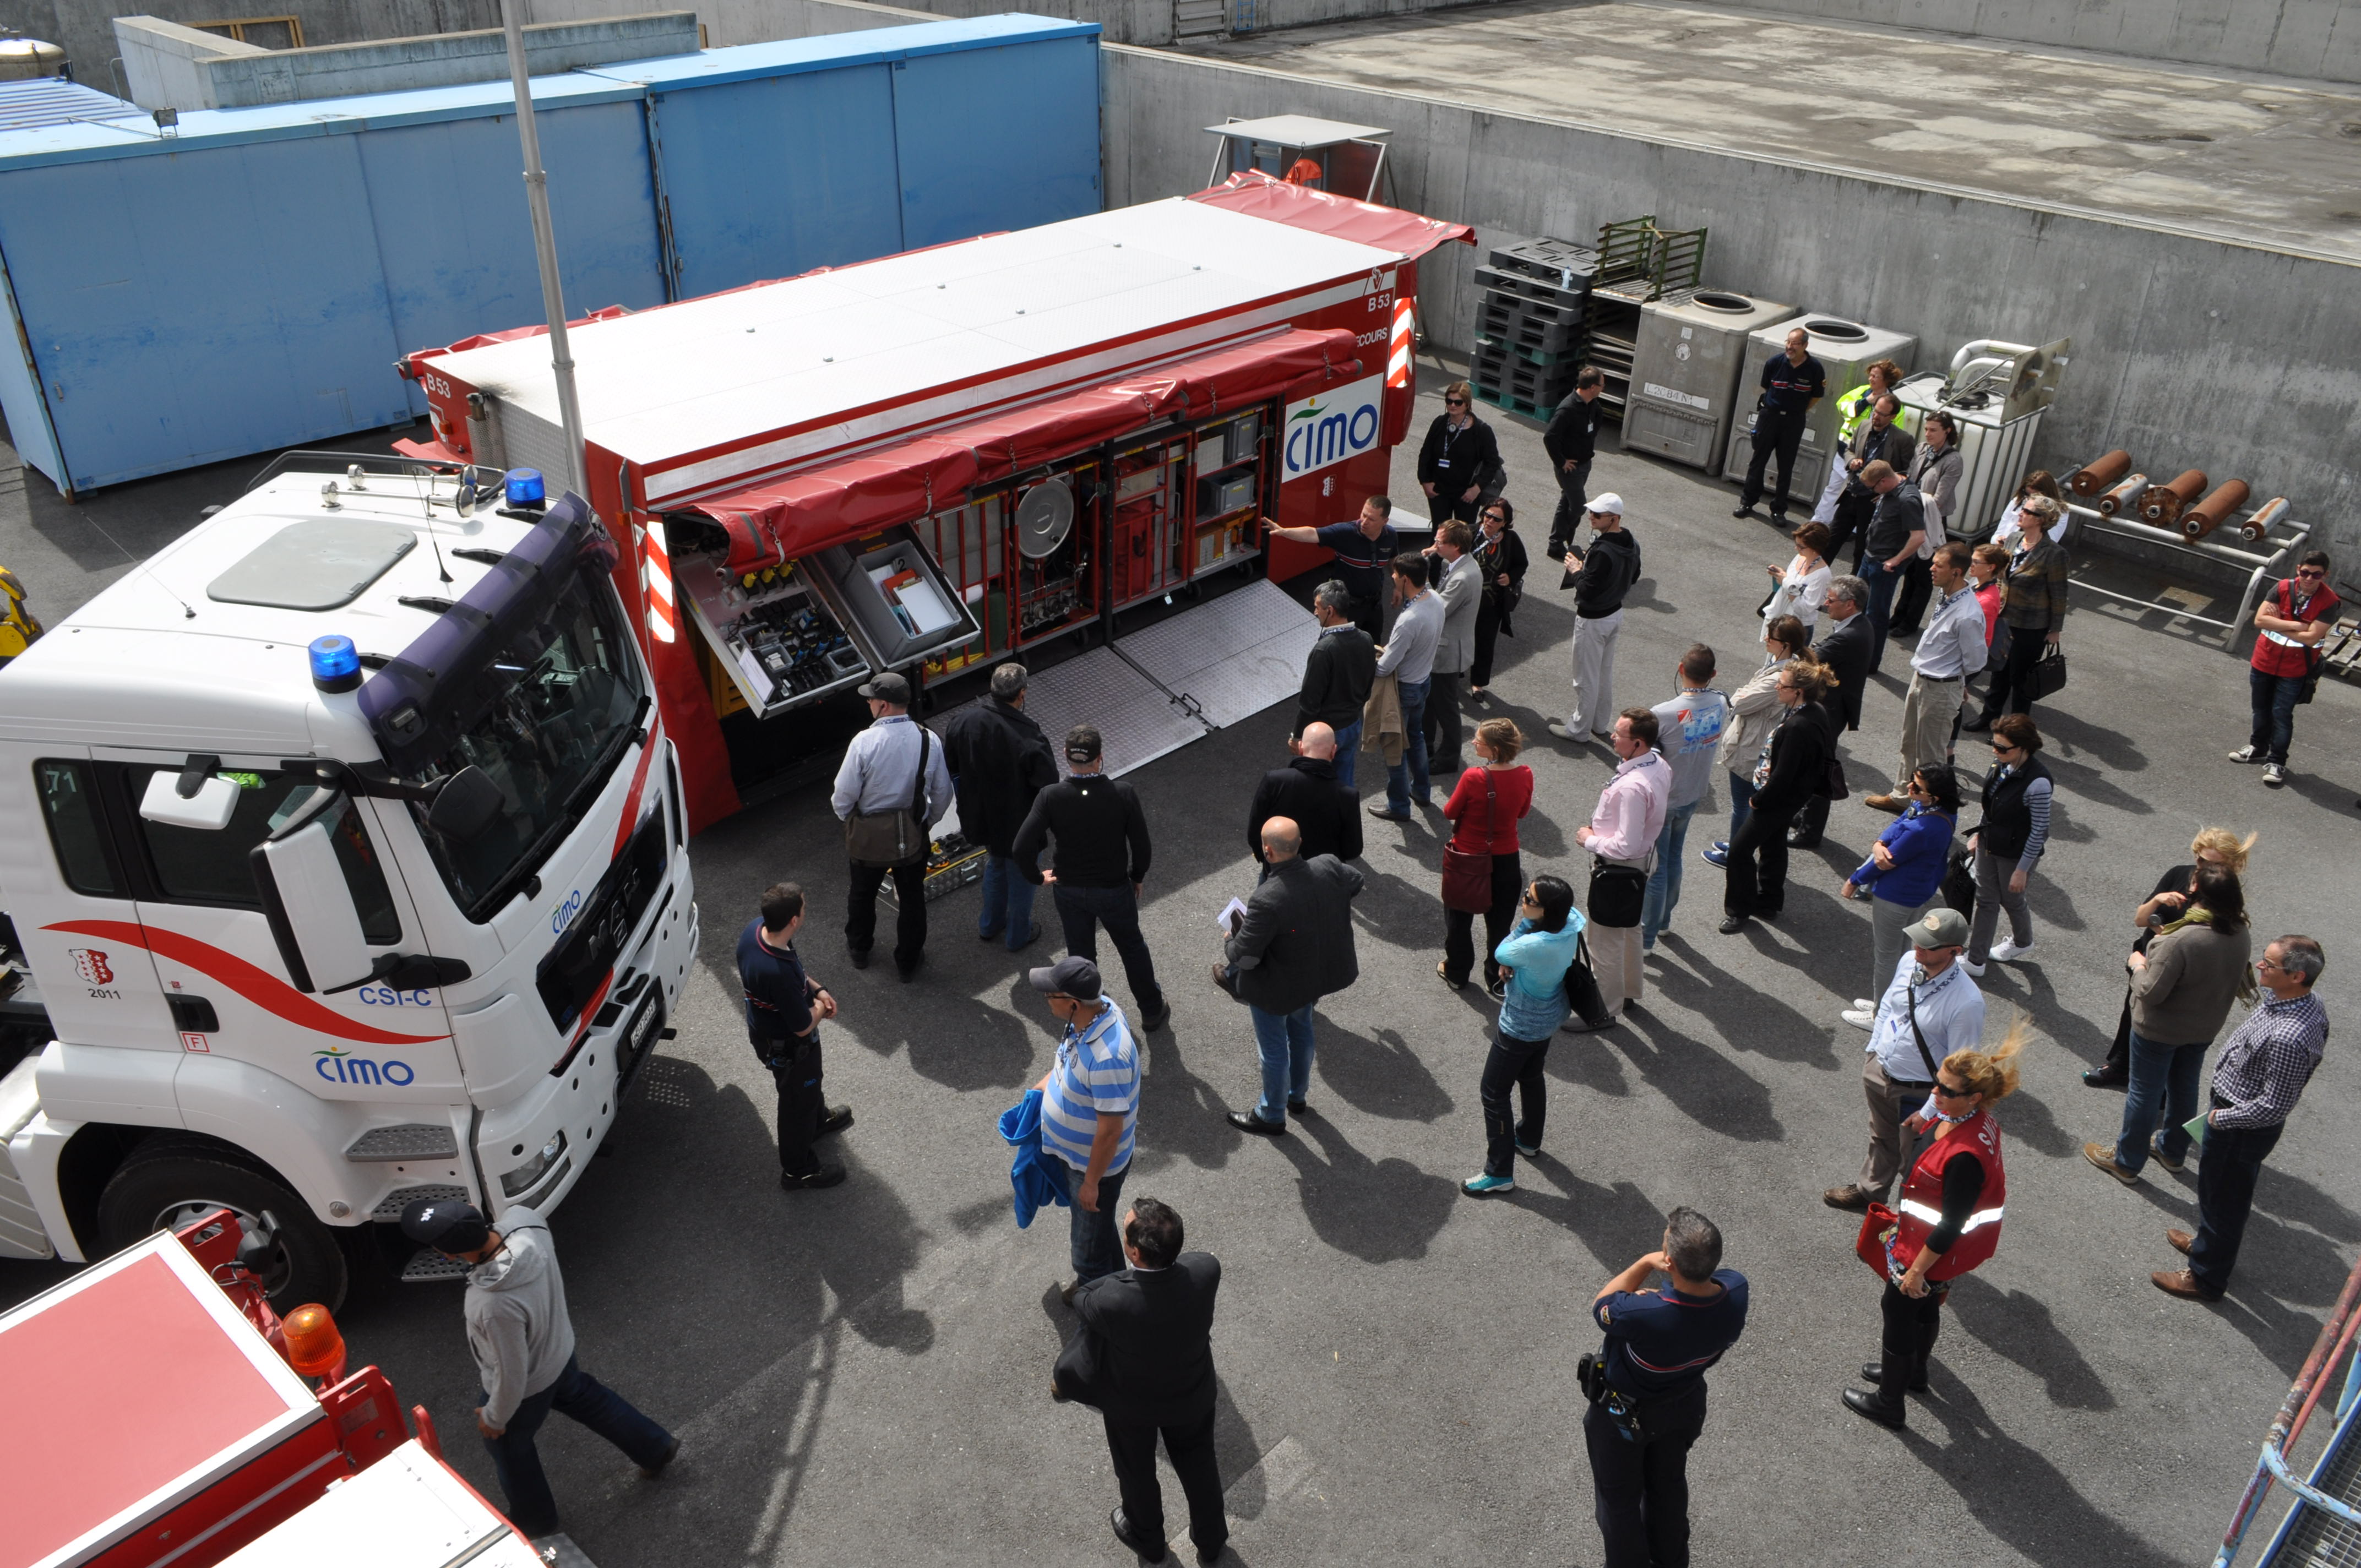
x: 1233, y: 657
x: 1136, y: 722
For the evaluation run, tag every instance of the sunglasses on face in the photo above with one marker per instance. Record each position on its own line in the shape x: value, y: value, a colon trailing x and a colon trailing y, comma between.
x: 1455, y: 402
x: 2310, y: 572
x: 1948, y: 1093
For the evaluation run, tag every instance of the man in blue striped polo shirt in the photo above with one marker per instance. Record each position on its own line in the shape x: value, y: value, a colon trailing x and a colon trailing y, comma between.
x: 1089, y: 1106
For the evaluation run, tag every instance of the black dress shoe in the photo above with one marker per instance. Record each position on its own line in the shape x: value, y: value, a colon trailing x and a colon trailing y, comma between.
x: 1298, y: 1108
x: 1208, y: 1554
x: 1148, y: 1553
x: 1862, y: 1403
x: 1151, y: 1022
x: 859, y: 957
x: 909, y: 972
x: 1875, y: 1372
x: 1731, y: 925
x: 672, y: 1452
x: 1743, y: 512
x: 835, y: 1119
x: 1981, y: 724
x: 2106, y: 1077
x: 1248, y: 1122
x: 825, y: 1176
x: 1811, y: 841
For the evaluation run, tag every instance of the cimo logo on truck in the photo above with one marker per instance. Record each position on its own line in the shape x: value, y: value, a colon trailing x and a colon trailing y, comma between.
x: 342, y: 1067
x: 1331, y: 427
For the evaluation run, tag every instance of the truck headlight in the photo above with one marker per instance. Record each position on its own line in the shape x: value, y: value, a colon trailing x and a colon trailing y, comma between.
x: 523, y: 1178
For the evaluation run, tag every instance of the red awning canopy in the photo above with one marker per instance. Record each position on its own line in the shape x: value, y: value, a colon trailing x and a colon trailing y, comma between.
x: 1390, y: 228
x: 795, y: 515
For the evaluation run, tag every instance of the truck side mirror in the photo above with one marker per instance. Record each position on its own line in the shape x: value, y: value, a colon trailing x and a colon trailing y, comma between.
x: 465, y: 804
x: 207, y: 808
x: 310, y: 907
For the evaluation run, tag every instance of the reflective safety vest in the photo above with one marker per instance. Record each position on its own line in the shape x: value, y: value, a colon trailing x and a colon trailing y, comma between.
x: 1853, y: 411
x: 17, y: 627
x: 1922, y: 1200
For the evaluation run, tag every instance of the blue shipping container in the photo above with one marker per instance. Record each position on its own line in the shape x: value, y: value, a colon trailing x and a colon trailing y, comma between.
x: 248, y: 283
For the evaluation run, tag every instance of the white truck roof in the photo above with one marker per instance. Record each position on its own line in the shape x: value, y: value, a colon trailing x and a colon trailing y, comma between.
x: 820, y: 349
x: 233, y: 679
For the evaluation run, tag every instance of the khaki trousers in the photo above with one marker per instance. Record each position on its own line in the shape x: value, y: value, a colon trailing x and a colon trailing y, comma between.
x: 1615, y: 960
x: 1926, y: 714
x: 1889, y: 1102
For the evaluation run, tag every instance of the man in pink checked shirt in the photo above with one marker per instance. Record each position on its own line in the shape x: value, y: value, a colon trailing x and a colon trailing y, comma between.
x: 1622, y: 839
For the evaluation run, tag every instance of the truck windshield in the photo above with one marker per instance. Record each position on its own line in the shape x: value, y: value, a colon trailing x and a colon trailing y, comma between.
x: 568, y: 691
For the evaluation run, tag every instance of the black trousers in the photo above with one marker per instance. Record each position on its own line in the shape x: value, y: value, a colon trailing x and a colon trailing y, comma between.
x: 1132, y: 1447
x: 1850, y: 523
x: 1573, y: 496
x: 796, y: 1071
x: 1906, y: 1338
x: 1642, y: 1489
x: 2227, y: 1169
x: 2011, y: 689
x: 1489, y: 621
x: 1811, y: 820
x: 1513, y: 1064
x: 1774, y: 435
x: 1081, y: 910
x: 1756, y: 879
x: 1910, y: 604
x: 1442, y: 720
x: 1445, y: 505
x: 910, y: 921
x: 1370, y: 615
x: 1459, y: 924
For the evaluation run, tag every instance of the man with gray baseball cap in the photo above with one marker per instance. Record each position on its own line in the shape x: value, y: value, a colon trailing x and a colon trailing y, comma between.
x: 1932, y: 1009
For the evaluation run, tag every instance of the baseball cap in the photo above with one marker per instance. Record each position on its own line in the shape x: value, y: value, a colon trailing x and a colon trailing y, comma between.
x: 446, y: 1224
x: 1945, y: 927
x: 1071, y: 976
x: 1082, y: 743
x: 1610, y: 501
x: 1008, y: 680
x: 888, y: 687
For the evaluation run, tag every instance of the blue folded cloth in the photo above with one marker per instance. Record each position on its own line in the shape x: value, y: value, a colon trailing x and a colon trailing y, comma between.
x: 1038, y: 1179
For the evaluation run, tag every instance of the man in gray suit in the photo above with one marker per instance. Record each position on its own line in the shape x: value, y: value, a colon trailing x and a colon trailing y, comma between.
x: 1459, y: 583
x: 1292, y: 946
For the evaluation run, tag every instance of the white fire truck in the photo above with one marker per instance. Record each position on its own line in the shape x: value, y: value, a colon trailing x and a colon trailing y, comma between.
x: 345, y: 855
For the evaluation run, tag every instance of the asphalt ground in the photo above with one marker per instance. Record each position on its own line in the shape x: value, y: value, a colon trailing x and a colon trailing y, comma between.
x: 858, y: 1375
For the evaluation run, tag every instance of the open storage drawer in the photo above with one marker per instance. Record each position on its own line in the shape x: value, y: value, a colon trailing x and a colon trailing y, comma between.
x: 890, y: 594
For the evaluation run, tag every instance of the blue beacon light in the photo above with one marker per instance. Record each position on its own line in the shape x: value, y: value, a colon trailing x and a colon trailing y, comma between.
x: 336, y: 663
x: 525, y: 488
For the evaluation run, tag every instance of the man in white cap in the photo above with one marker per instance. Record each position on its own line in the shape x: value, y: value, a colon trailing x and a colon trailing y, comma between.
x: 1603, y: 575
x: 1931, y: 1009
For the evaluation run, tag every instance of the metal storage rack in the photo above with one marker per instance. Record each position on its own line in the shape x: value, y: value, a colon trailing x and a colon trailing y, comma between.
x: 1550, y: 306
x: 2264, y: 560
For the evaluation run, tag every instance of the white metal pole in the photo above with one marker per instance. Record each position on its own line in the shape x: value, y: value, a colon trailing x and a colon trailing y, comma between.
x: 545, y: 246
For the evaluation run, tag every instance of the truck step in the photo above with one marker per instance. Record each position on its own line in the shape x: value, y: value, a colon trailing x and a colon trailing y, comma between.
x: 427, y: 1266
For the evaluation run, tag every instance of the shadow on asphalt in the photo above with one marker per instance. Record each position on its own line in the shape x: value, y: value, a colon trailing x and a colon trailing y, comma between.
x: 2018, y: 1327
x: 1381, y: 1212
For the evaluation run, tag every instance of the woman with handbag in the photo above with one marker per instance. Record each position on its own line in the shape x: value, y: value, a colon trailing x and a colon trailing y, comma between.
x: 1903, y: 877
x: 1500, y: 560
x: 1537, y: 953
x: 2035, y: 609
x: 1791, y: 768
x: 2212, y: 846
x: 1949, y: 1222
x: 1481, y: 872
x: 1753, y: 712
x: 1801, y: 587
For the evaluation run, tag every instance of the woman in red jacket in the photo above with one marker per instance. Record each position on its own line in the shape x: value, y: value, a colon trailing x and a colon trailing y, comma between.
x: 1950, y: 1221
x: 1484, y: 811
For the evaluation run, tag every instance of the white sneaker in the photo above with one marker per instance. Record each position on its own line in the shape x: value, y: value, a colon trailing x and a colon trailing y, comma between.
x: 1975, y: 970
x: 1861, y: 1017
x: 1864, y: 1004
x: 2245, y: 755
x: 2274, y: 773
x: 2007, y: 952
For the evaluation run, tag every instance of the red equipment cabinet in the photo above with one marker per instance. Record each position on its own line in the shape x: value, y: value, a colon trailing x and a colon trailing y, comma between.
x: 969, y: 422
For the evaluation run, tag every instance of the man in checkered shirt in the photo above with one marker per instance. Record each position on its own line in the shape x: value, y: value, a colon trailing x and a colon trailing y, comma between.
x: 2256, y: 1080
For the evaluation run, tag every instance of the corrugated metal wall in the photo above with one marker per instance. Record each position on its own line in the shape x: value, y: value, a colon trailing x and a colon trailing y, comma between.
x: 248, y: 284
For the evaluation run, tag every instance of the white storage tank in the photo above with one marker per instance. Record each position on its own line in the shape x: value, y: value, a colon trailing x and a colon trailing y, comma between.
x: 1844, y: 349
x: 1686, y: 369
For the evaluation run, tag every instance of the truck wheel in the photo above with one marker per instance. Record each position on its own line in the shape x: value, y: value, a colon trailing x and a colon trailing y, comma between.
x: 172, y: 1185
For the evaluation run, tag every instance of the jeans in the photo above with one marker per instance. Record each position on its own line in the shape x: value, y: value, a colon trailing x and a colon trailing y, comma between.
x: 1513, y: 1064
x: 1007, y: 901
x: 1132, y: 1447
x: 1283, y: 1041
x: 1992, y: 897
x: 2273, y: 697
x: 1640, y: 1490
x: 1881, y: 584
x: 1741, y: 802
x: 1664, y: 883
x: 2226, y: 1173
x: 578, y: 1397
x: 910, y: 918
x: 1095, y: 1243
x: 1348, y: 743
x: 795, y: 1071
x: 1779, y: 435
x: 1082, y: 910
x: 1406, y: 779
x: 2164, y: 1079
x: 1459, y: 924
x: 1910, y: 604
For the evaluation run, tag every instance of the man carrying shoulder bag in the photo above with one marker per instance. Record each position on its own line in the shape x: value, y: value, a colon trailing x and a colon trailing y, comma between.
x: 891, y: 791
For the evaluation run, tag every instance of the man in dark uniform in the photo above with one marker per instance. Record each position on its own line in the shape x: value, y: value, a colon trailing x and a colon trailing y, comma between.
x: 1100, y: 862
x: 1792, y: 382
x: 1659, y: 1345
x: 783, y: 1009
x: 1365, y: 549
x: 1571, y: 440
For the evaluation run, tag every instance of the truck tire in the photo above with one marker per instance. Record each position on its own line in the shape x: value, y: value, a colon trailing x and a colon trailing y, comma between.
x: 165, y: 1186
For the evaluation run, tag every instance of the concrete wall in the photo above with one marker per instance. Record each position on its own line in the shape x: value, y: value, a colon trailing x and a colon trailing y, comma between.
x: 85, y: 28
x: 166, y: 65
x: 732, y: 22
x: 2313, y: 38
x: 2190, y: 353
x: 1144, y: 22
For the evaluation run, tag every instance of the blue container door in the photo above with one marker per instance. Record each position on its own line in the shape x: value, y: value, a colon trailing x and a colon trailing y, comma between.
x: 772, y: 176
x: 998, y: 139
x: 449, y: 208
x: 183, y: 308
x: 21, y: 400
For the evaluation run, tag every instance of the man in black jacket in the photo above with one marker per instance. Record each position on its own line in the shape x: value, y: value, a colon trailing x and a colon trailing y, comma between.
x: 1145, y: 1361
x: 1337, y: 676
x: 1609, y: 569
x: 1845, y: 650
x: 1292, y: 946
x: 1571, y: 440
x: 1308, y: 791
x: 1102, y: 860
x: 1000, y: 761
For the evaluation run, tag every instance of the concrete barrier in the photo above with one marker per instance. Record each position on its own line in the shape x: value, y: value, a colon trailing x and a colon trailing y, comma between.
x: 2235, y: 356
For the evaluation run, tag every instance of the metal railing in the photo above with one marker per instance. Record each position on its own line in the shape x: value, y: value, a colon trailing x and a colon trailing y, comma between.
x: 2334, y: 1346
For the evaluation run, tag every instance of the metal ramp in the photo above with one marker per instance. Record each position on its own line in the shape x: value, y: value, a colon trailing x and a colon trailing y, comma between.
x: 1230, y: 659
x: 2324, y: 1525
x: 2312, y: 1535
x: 1137, y: 720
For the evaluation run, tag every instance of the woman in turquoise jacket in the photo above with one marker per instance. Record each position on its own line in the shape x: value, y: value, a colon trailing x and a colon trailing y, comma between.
x: 1533, y: 957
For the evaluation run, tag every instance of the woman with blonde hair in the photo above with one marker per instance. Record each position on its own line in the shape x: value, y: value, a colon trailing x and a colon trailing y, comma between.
x: 1791, y: 768
x: 1948, y: 1222
x: 2212, y: 846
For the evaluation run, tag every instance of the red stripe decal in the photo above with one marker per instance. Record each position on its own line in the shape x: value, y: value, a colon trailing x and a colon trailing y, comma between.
x: 630, y: 818
x: 590, y: 1009
x: 266, y: 991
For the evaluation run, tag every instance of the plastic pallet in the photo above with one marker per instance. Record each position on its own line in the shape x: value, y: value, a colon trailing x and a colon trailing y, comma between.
x: 1535, y: 337
x: 1538, y: 309
x: 1525, y: 286
x: 1534, y: 356
x: 1516, y: 405
x: 1552, y: 260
